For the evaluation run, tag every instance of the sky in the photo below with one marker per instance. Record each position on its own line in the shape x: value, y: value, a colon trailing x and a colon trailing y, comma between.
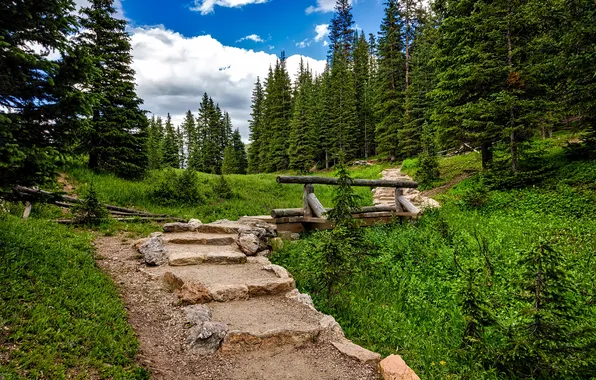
x: 184, y: 48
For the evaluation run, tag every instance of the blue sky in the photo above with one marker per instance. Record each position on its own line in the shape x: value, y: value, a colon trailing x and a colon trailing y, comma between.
x: 280, y: 24
x: 184, y: 48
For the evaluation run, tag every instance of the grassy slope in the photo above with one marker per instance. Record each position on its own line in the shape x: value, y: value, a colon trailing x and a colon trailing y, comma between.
x: 404, y: 299
x: 60, y: 316
x: 254, y: 194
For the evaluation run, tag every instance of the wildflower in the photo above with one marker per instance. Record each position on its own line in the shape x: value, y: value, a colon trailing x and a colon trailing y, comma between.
x: 442, y: 362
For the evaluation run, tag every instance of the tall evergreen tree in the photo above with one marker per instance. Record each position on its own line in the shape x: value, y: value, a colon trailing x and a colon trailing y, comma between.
x: 324, y: 108
x: 39, y: 106
x: 361, y: 83
x: 390, y: 81
x: 155, y: 143
x: 235, y: 161
x: 171, y: 150
x: 256, y: 128
x: 341, y: 32
x: 189, y: 130
x: 116, y: 138
x: 301, y: 149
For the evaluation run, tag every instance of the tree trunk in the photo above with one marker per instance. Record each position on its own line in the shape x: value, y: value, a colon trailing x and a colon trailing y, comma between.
x: 487, y: 155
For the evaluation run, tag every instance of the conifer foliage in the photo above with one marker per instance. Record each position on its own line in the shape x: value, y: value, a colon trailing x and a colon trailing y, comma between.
x: 116, y: 137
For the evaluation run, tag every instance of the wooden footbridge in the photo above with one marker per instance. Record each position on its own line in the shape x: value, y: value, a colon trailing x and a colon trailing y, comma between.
x: 312, y: 215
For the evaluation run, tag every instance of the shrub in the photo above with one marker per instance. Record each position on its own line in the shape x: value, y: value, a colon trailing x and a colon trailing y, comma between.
x: 475, y: 195
x: 90, y: 211
x: 173, y: 188
x: 222, y: 189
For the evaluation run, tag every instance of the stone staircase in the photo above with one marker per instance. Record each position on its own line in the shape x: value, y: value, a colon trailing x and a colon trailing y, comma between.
x: 237, y: 301
x: 386, y: 196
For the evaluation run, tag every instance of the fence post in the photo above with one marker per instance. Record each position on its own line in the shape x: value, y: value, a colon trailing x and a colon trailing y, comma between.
x: 308, y: 189
x: 398, y: 193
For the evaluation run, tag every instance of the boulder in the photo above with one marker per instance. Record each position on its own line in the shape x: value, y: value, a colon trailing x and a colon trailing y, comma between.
x: 194, y: 293
x: 225, y: 293
x: 153, y: 251
x: 206, y: 338
x: 197, y: 314
x: 279, y: 271
x: 393, y: 367
x: 248, y: 243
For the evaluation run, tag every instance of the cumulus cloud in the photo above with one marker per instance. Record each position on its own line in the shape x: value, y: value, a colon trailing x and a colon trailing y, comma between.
x: 322, y: 6
x: 207, y: 6
x: 252, y: 37
x: 322, y: 31
x: 173, y: 72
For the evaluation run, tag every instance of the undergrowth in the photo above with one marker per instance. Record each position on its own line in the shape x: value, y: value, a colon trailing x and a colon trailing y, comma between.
x: 61, y: 317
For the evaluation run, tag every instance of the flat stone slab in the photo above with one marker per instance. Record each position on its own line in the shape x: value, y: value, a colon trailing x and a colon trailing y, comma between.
x: 354, y: 351
x: 196, y: 258
x: 199, y: 238
x: 219, y: 228
x: 266, y: 322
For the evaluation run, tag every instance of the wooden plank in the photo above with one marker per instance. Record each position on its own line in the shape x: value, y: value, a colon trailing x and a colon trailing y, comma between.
x: 398, y: 193
x: 317, y: 208
x: 355, y: 182
x: 308, y: 189
x: 408, y: 206
x: 291, y: 227
x: 285, y: 212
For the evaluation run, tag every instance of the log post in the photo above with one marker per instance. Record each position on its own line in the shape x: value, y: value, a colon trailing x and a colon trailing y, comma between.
x: 308, y: 189
x: 316, y: 206
x: 27, y: 211
x: 398, y: 193
x: 408, y: 206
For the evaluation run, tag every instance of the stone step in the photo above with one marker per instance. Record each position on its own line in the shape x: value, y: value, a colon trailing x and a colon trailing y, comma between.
x: 222, y: 283
x: 220, y: 227
x: 199, y: 238
x: 267, y: 322
x: 194, y: 254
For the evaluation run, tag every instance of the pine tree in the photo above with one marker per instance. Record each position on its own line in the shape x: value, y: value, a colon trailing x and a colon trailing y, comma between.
x: 324, y: 108
x: 39, y: 104
x: 422, y: 80
x: 278, y: 107
x: 362, y: 82
x: 341, y: 33
x: 256, y: 128
x: 189, y: 130
x: 301, y: 149
x: 234, y: 161
x: 390, y: 81
x: 170, y: 148
x: 203, y: 118
x: 344, y: 121
x: 116, y: 139
x: 155, y: 143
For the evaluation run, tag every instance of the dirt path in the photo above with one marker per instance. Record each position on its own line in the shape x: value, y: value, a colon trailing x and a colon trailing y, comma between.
x: 386, y: 196
x: 161, y: 326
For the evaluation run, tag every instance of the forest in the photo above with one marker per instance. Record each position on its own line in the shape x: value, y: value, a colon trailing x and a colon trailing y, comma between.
x: 489, y: 105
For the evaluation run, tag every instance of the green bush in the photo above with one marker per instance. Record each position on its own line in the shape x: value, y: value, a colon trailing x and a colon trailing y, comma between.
x: 90, y: 211
x: 222, y: 189
x: 173, y: 188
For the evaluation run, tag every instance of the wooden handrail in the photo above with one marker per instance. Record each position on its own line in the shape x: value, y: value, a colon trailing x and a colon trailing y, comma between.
x: 355, y: 182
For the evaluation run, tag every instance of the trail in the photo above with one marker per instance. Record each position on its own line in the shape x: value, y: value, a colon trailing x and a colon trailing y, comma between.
x: 386, y: 196
x: 271, y: 331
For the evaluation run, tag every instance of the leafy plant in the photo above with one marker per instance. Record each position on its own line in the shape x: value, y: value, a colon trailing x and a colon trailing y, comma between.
x: 173, y: 188
x: 222, y: 189
x: 90, y: 211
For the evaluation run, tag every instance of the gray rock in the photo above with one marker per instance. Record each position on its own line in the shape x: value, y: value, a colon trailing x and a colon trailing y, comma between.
x: 305, y: 299
x: 179, y: 227
x: 197, y: 314
x: 206, y: 338
x: 248, y: 243
x: 154, y: 251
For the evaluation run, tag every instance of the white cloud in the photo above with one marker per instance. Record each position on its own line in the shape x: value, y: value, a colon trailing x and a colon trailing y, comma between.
x: 173, y: 72
x: 271, y: 47
x: 304, y: 43
x: 322, y: 31
x: 252, y: 37
x: 207, y: 6
x: 323, y: 6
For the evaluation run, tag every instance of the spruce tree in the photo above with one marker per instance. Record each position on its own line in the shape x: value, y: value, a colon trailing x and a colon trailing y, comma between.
x: 390, y: 81
x: 155, y: 143
x: 235, y: 161
x: 344, y: 120
x: 301, y: 149
x: 362, y: 83
x: 256, y: 128
x: 324, y: 109
x: 341, y: 32
x: 39, y: 104
x: 170, y: 148
x: 202, y: 133
x: 116, y: 138
x: 189, y: 130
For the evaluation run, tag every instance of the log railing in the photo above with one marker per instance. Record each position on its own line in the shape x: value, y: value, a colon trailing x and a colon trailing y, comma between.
x: 312, y: 207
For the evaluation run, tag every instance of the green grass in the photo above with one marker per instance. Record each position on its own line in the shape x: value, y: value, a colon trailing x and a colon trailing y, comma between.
x: 253, y: 194
x: 403, y: 297
x: 450, y: 168
x: 61, y: 317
